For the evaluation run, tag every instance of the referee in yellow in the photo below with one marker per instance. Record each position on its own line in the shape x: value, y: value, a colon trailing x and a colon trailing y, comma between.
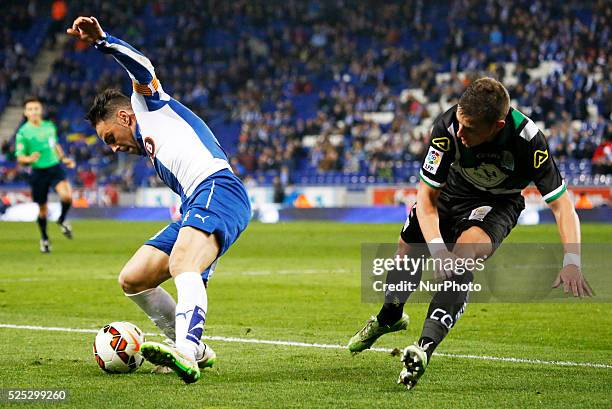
x: 36, y: 145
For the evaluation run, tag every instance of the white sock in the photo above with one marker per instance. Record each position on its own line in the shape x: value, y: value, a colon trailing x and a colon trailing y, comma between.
x: 190, y: 312
x: 159, y: 306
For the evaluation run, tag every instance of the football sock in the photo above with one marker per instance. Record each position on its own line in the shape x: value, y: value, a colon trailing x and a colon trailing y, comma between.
x: 159, y: 306
x: 42, y: 225
x: 390, y: 313
x: 429, y: 345
x: 444, y: 311
x: 65, y: 208
x: 393, y: 307
x: 190, y: 312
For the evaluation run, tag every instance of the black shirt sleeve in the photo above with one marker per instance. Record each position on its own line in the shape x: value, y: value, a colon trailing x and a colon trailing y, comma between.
x: 546, y: 175
x: 439, y: 156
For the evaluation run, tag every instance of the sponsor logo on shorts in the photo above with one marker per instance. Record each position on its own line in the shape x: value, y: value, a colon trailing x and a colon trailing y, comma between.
x: 433, y: 160
x: 539, y: 157
x: 203, y: 218
x: 480, y: 213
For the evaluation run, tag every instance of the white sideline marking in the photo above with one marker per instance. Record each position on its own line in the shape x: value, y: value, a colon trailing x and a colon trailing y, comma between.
x: 331, y: 346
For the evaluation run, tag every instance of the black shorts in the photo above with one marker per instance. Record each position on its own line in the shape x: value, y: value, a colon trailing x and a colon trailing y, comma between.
x: 496, y: 216
x: 42, y: 180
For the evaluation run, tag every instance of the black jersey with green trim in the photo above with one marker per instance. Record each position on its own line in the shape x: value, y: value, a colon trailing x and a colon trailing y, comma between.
x: 517, y: 156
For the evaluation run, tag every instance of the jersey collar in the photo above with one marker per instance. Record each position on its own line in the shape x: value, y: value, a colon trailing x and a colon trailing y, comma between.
x: 138, y: 138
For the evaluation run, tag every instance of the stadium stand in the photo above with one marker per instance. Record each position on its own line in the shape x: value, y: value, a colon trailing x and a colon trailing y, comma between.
x: 326, y: 93
x: 23, y: 32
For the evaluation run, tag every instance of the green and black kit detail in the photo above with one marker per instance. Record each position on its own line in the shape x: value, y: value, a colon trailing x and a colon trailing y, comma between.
x: 505, y: 166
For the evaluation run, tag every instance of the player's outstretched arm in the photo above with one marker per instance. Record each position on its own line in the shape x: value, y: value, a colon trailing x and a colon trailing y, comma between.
x: 569, y: 229
x: 138, y: 66
x: 551, y: 186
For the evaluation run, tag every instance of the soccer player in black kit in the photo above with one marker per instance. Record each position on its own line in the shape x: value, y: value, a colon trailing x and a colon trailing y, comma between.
x: 482, y: 154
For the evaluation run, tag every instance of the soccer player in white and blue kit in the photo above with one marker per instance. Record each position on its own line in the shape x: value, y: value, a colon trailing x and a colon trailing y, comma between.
x: 215, y: 206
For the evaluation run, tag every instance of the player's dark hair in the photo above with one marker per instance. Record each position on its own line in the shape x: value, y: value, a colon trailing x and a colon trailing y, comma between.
x: 29, y: 99
x: 106, y: 104
x: 485, y: 99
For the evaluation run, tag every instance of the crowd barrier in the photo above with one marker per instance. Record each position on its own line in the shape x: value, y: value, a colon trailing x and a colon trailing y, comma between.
x: 378, y: 214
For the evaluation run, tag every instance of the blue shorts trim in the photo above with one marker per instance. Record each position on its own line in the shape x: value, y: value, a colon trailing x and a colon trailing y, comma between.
x: 220, y: 206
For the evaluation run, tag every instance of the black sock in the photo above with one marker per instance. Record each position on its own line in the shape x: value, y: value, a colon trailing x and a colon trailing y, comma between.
x: 390, y: 313
x: 65, y: 208
x: 445, y: 308
x: 42, y: 225
x: 430, y: 345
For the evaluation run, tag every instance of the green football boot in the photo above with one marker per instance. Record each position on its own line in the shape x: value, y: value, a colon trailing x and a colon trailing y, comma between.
x: 365, y: 337
x: 165, y: 355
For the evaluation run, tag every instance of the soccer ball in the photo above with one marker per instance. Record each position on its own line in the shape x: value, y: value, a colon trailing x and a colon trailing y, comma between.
x: 116, y: 347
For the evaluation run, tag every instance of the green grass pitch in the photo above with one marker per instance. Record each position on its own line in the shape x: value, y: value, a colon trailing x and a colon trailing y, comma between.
x: 293, y: 282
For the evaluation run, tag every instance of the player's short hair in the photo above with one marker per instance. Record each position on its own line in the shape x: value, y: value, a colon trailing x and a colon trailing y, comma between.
x: 106, y: 104
x: 485, y: 99
x: 32, y: 98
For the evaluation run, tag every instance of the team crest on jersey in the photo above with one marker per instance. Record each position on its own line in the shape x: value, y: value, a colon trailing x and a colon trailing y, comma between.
x: 149, y: 146
x: 432, y: 160
x: 539, y: 157
x: 441, y: 143
x: 486, y: 175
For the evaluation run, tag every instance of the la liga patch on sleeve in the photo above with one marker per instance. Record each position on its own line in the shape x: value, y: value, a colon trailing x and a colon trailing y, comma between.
x: 432, y: 160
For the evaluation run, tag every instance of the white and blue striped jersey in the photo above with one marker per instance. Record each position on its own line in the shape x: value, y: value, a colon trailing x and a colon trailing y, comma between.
x: 182, y: 148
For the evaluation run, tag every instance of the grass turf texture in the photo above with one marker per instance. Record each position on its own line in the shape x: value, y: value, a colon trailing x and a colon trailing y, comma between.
x: 295, y: 282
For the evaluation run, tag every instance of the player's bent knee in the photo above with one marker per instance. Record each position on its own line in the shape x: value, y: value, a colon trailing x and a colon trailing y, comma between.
x: 147, y: 269
x: 131, y: 283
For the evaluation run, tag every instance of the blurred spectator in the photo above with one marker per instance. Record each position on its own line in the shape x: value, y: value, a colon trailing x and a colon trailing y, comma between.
x: 81, y: 200
x: 602, y: 158
x: 583, y: 201
x: 86, y: 178
x: 290, y: 88
x: 279, y: 191
x: 59, y: 10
